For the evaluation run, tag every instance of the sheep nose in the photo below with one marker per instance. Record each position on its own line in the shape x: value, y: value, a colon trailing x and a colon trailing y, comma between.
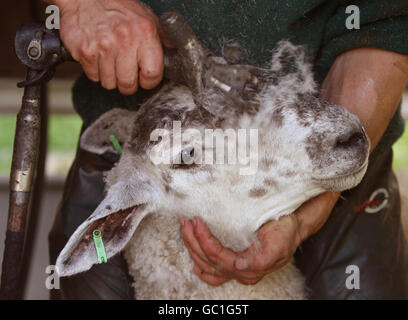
x: 351, y: 139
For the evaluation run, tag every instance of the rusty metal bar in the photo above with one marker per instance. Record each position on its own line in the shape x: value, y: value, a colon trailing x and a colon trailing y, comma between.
x: 37, y: 191
x: 26, y: 143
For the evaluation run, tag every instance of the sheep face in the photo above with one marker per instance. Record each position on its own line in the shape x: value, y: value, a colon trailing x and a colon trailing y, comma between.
x: 235, y: 164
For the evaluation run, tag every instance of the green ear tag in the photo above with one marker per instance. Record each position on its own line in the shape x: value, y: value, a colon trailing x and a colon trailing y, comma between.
x: 115, y: 143
x: 100, y: 248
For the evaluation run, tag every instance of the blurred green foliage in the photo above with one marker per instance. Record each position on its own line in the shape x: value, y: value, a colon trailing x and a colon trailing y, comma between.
x: 63, y: 133
x: 400, y: 149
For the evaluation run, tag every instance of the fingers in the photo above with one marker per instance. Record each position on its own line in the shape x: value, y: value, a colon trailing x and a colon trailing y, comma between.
x: 260, y: 261
x: 88, y: 58
x: 210, y: 256
x: 190, y: 240
x: 205, y: 267
x: 225, y: 258
x: 114, y: 41
x: 127, y: 72
x: 208, y: 278
x: 276, y: 244
x: 107, y: 64
x: 150, y: 56
x: 202, y: 269
x: 212, y: 248
x: 274, y: 248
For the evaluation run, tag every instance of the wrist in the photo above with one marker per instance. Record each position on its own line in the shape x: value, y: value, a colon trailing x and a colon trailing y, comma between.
x: 314, y: 213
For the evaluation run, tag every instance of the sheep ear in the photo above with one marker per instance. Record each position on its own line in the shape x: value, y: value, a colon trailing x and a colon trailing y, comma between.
x: 117, y: 218
x: 291, y: 65
x: 117, y: 122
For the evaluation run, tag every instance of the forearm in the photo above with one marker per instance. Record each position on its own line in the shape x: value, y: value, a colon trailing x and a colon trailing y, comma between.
x: 369, y: 83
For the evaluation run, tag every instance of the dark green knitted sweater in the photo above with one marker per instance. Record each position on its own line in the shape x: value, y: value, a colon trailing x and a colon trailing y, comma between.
x: 257, y: 25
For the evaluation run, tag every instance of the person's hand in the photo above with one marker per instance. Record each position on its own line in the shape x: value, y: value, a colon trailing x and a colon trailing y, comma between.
x: 117, y: 42
x: 277, y: 243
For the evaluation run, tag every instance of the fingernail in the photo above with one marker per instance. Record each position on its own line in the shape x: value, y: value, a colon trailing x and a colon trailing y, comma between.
x: 195, y: 222
x: 241, y: 263
x: 182, y: 222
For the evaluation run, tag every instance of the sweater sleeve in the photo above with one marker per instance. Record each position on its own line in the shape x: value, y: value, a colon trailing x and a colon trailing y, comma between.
x: 383, y: 25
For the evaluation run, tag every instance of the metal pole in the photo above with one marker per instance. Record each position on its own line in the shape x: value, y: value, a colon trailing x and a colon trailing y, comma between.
x: 26, y: 143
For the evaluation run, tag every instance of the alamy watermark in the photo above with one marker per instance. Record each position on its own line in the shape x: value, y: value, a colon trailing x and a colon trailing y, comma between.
x: 53, y: 20
x: 215, y: 146
x: 53, y: 280
x: 353, y: 280
x: 353, y: 20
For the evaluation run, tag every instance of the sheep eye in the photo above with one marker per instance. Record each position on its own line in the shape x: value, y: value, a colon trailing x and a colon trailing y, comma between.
x: 187, y: 156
